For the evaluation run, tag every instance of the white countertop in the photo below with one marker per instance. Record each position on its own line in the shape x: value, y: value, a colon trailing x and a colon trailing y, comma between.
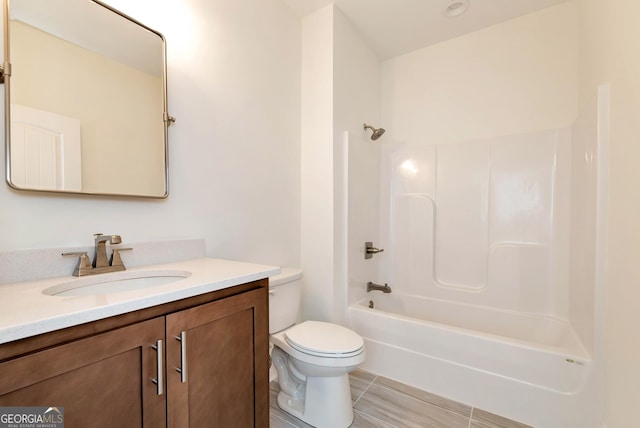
x: 25, y: 311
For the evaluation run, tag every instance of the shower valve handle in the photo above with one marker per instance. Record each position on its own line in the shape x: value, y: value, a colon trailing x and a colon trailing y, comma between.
x: 370, y: 250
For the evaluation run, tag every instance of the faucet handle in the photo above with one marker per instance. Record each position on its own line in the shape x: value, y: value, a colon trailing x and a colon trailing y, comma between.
x: 116, y: 260
x: 84, y: 263
x: 112, y: 239
x: 370, y: 250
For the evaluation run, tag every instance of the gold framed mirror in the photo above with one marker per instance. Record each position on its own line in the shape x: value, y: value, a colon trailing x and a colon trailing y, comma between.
x: 85, y: 100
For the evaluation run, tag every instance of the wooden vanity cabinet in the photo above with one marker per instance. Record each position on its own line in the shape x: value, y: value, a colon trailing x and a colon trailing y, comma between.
x: 101, y: 381
x: 217, y: 389
x: 214, y: 366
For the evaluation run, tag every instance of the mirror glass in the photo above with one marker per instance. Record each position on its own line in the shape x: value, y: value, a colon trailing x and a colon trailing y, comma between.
x: 85, y: 100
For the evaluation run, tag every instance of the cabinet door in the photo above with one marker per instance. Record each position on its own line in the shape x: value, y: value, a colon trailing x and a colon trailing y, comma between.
x: 217, y: 363
x: 101, y: 381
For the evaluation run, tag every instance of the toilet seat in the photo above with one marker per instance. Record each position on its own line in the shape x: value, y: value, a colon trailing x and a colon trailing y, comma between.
x: 323, y: 339
x: 352, y: 357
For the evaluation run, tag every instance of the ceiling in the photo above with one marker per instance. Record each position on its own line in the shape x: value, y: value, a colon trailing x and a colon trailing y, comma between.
x: 396, y: 27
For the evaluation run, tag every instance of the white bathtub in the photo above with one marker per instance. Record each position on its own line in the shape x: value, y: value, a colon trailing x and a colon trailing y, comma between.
x: 526, y: 367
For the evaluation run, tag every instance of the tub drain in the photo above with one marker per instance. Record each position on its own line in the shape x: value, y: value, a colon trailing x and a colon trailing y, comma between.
x: 371, y: 304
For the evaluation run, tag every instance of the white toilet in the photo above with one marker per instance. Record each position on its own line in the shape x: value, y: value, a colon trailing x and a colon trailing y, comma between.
x: 313, y: 359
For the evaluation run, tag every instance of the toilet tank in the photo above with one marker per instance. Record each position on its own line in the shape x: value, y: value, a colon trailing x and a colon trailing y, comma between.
x: 285, y: 290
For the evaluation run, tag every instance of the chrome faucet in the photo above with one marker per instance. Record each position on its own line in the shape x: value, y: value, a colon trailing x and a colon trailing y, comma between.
x: 101, y: 264
x: 376, y: 287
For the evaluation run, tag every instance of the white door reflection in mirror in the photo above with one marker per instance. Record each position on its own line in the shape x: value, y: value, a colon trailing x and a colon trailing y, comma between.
x: 45, y: 150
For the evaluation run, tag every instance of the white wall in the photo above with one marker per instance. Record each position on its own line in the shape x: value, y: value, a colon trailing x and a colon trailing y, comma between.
x: 357, y: 160
x: 234, y: 155
x: 340, y: 92
x: 511, y: 78
x: 609, y: 34
x: 317, y: 165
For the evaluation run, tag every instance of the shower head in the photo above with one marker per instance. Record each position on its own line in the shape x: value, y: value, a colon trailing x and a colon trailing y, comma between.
x: 377, y: 132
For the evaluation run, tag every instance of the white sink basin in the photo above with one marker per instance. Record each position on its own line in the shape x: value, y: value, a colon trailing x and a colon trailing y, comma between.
x: 115, y: 282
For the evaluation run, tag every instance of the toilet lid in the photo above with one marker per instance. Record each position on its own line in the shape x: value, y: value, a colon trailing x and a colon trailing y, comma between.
x: 324, y: 339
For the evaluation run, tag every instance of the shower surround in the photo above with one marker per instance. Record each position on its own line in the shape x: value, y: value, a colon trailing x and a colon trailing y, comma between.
x: 490, y: 250
x: 469, y: 220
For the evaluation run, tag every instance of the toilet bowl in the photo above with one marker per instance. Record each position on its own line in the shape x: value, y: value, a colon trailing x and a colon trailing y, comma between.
x: 312, y: 359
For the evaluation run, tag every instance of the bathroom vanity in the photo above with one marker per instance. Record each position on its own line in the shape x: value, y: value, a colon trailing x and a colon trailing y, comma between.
x: 193, y: 352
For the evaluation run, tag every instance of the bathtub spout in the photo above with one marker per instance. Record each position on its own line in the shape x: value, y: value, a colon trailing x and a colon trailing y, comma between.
x: 376, y: 287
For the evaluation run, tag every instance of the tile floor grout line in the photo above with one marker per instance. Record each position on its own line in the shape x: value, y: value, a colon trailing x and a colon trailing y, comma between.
x: 353, y: 405
x: 471, y: 416
x: 388, y: 388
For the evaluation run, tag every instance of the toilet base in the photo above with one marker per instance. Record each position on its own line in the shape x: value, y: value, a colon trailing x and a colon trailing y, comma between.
x: 327, y: 402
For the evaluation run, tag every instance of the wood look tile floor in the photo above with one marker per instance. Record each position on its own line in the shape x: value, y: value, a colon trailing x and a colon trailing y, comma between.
x: 379, y: 402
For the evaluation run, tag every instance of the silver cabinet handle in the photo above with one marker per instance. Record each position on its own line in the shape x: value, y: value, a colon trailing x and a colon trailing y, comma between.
x: 183, y: 356
x: 158, y: 380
